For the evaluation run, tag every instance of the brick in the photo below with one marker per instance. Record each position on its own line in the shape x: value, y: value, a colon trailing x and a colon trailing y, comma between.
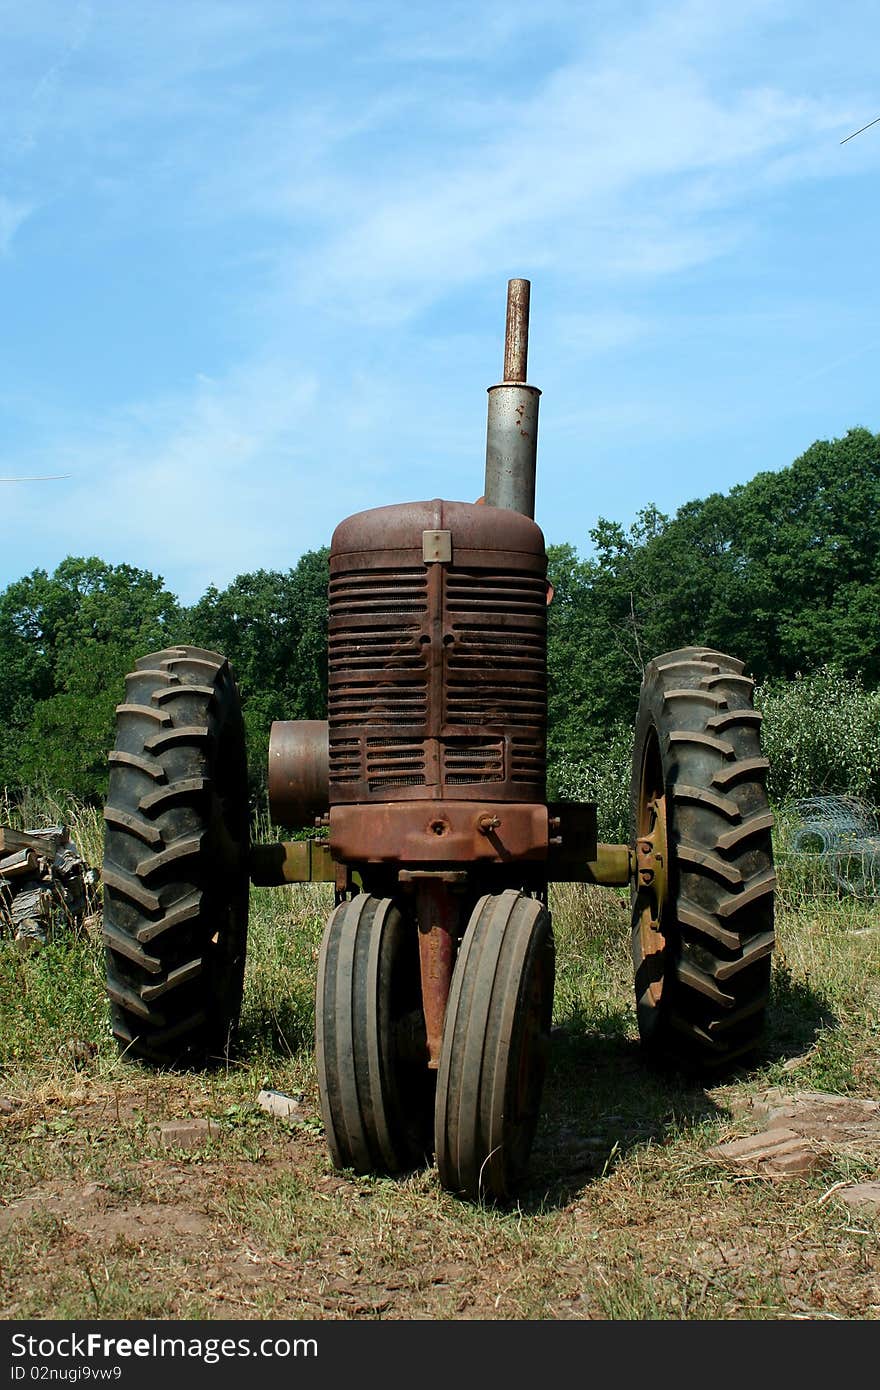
x: 780, y: 1152
x: 802, y: 1159
x: 754, y: 1146
x: 864, y: 1196
x: 185, y: 1134
x: 277, y: 1103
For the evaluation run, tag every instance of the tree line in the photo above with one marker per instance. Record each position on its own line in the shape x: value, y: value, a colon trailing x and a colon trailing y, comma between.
x: 782, y: 571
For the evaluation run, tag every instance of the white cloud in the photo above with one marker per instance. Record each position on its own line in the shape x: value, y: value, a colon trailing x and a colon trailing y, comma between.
x: 12, y: 216
x: 236, y: 474
x: 351, y: 169
x: 605, y: 167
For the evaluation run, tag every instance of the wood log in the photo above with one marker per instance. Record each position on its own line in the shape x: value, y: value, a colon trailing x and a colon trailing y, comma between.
x: 20, y: 864
x: 49, y: 845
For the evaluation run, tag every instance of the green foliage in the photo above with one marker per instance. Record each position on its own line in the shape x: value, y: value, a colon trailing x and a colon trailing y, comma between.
x: 66, y: 642
x: 604, y: 777
x: 821, y: 733
x: 68, y: 639
x: 273, y: 629
x: 782, y: 572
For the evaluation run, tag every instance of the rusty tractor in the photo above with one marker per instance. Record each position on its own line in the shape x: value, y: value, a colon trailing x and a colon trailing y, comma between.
x: 427, y: 786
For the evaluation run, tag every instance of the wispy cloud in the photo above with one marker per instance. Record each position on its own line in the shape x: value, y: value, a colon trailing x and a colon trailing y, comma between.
x: 340, y: 189
x: 613, y: 163
x: 12, y: 216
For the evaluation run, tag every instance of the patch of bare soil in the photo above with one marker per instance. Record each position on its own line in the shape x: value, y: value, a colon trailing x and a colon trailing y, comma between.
x: 256, y: 1224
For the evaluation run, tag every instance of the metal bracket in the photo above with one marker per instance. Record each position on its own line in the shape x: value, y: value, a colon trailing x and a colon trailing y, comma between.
x: 292, y: 861
x: 437, y: 547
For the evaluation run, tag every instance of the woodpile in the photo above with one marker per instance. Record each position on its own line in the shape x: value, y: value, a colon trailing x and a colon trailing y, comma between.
x: 43, y: 883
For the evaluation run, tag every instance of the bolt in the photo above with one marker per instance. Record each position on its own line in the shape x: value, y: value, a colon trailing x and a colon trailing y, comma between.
x: 486, y: 823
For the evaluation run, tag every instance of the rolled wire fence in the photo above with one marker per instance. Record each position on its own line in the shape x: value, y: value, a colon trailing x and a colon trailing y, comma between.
x: 828, y: 848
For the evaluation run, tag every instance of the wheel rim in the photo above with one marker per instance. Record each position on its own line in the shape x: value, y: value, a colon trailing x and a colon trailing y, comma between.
x: 650, y: 915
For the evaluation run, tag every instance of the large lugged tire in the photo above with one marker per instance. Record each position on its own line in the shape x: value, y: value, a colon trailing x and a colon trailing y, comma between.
x: 375, y: 1087
x: 496, y: 1040
x: 703, y: 923
x: 175, y: 870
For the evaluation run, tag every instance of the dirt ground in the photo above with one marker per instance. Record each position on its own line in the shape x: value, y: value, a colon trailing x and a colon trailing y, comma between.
x: 254, y: 1223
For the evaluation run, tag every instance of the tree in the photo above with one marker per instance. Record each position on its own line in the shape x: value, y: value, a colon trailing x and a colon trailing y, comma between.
x: 782, y: 572
x: 273, y: 628
x: 66, y: 641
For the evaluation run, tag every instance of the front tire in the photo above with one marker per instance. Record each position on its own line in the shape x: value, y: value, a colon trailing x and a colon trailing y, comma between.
x: 370, y: 1049
x: 175, y: 872
x: 496, y: 1041
x: 702, y: 929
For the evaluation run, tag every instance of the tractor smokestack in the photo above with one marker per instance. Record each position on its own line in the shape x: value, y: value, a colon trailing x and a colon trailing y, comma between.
x: 512, y: 429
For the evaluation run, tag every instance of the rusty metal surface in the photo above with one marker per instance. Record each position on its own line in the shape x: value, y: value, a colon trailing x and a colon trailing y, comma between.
x: 482, y: 537
x: 438, y: 909
x: 438, y: 832
x: 516, y: 334
x: 651, y: 886
x: 299, y: 771
x: 652, y: 855
x: 437, y: 672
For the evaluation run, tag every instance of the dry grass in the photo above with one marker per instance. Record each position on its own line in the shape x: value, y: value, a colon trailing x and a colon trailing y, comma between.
x: 624, y: 1215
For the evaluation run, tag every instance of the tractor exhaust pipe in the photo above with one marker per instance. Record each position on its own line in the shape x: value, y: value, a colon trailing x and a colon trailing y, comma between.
x: 512, y: 429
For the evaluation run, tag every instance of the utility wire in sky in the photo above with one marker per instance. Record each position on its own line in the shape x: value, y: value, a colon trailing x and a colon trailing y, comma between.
x: 861, y: 128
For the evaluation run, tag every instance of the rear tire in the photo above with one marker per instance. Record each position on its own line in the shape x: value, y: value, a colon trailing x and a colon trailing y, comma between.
x: 175, y: 872
x: 703, y: 930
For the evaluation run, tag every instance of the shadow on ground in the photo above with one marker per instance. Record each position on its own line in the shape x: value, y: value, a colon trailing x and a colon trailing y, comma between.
x: 603, y: 1098
x: 796, y: 1016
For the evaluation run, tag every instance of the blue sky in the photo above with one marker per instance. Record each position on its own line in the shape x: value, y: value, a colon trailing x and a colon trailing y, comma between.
x: 254, y: 259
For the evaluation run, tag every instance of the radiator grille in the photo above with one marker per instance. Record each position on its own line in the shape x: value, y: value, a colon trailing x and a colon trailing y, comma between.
x: 395, y: 762
x: 377, y: 593
x: 345, y: 760
x: 496, y: 663
x: 378, y: 673
x: 437, y: 679
x: 470, y: 760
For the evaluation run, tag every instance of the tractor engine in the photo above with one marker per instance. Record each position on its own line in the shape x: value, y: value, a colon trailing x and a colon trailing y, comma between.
x: 437, y: 688
x: 434, y: 752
